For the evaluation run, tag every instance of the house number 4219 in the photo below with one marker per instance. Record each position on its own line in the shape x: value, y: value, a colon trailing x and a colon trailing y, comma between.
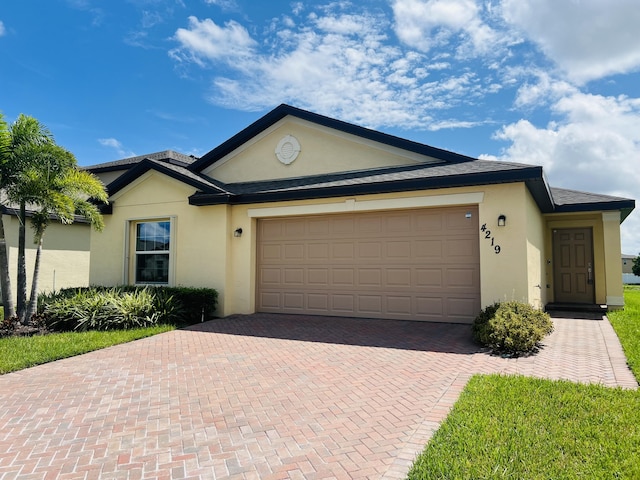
x: 487, y: 236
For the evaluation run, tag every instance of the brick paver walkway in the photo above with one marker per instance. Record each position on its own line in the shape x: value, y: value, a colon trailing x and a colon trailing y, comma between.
x: 266, y: 397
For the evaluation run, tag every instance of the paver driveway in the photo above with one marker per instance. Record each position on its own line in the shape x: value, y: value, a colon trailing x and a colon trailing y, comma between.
x: 266, y: 396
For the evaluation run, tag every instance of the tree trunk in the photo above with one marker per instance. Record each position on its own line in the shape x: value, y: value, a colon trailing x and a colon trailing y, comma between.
x: 22, y: 264
x: 33, y: 302
x: 5, y: 280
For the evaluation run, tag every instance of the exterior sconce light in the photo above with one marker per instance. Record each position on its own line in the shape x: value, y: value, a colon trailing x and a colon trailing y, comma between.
x: 502, y: 220
x: 237, y: 232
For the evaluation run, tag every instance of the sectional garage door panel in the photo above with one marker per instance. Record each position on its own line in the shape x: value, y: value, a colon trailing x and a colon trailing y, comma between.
x: 414, y: 264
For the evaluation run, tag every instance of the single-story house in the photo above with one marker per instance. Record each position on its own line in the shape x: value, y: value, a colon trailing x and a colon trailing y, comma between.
x: 301, y: 213
x: 627, y: 263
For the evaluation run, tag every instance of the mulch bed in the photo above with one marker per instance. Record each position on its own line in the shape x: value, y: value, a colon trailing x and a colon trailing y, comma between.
x: 10, y: 327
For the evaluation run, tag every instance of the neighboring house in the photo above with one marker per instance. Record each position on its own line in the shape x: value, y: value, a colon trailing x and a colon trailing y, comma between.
x: 301, y: 213
x: 65, y: 254
x: 627, y: 270
x: 627, y: 263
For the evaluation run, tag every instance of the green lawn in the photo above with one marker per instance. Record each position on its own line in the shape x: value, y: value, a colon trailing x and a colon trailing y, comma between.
x: 627, y: 325
x: 512, y: 427
x: 17, y: 353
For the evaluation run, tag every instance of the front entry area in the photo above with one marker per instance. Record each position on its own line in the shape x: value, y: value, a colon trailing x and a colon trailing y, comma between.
x: 421, y: 264
x: 573, y: 271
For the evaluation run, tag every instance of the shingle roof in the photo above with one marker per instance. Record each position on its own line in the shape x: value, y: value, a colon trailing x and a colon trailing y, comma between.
x: 178, y: 172
x: 384, y: 180
x: 381, y: 175
x: 563, y: 196
x: 575, y: 201
x: 168, y: 156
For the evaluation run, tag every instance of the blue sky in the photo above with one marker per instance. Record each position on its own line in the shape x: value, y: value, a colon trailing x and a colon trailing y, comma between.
x: 547, y: 82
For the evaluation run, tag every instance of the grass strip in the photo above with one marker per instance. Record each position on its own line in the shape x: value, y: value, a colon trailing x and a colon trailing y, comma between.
x: 17, y: 353
x: 626, y: 323
x: 512, y: 427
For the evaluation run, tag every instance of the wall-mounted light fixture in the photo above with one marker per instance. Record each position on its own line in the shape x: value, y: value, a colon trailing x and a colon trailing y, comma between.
x: 502, y: 220
x: 237, y: 232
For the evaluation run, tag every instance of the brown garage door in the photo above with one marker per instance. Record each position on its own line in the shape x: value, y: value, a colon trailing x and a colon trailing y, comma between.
x: 410, y: 264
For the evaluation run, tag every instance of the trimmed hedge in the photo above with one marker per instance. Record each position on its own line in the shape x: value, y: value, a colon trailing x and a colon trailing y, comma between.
x: 124, y: 307
x: 511, y: 327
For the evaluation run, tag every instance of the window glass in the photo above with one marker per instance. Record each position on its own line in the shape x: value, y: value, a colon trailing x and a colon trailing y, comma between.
x: 152, y: 236
x: 153, y: 242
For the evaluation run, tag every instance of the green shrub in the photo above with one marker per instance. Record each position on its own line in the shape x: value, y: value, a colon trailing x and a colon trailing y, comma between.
x: 125, y: 307
x: 102, y: 310
x: 511, y: 327
x: 197, y: 303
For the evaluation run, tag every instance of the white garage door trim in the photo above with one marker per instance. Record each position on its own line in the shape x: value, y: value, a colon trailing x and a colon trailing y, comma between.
x: 353, y: 205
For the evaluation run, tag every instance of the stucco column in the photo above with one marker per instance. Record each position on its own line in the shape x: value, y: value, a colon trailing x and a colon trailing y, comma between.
x: 612, y: 256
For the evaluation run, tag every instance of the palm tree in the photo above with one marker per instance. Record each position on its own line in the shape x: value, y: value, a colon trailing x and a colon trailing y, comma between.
x: 5, y: 175
x: 48, y: 180
x: 28, y: 136
x: 64, y: 194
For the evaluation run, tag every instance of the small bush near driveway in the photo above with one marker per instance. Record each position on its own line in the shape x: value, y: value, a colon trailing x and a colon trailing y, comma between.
x: 511, y: 327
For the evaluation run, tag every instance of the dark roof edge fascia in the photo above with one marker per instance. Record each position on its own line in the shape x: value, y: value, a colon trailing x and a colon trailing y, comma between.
x: 109, y: 168
x: 283, y: 110
x: 625, y: 207
x: 15, y: 212
x: 527, y: 175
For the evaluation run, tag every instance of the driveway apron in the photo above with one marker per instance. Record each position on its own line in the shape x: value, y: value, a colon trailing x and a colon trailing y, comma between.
x: 267, y: 397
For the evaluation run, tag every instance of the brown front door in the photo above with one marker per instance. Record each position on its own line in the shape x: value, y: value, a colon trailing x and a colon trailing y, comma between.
x: 573, y: 271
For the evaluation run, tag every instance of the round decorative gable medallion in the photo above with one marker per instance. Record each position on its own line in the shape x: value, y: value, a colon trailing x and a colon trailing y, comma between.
x: 288, y: 149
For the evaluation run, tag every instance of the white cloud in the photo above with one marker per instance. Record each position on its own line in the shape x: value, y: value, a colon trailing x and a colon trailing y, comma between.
x: 3, y: 30
x: 151, y: 19
x: 543, y: 91
x: 117, y: 146
x: 588, y: 39
x: 224, y: 4
x: 593, y: 146
x: 87, y: 6
x: 336, y: 63
x: 205, y: 41
x: 435, y: 23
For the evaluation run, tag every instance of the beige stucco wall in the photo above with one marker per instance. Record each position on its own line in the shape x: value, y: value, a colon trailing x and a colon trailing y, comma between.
x: 536, y: 258
x: 321, y: 151
x: 65, y: 256
x: 612, y: 253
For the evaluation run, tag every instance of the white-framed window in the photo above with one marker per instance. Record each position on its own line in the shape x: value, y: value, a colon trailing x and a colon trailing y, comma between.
x: 150, y: 247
